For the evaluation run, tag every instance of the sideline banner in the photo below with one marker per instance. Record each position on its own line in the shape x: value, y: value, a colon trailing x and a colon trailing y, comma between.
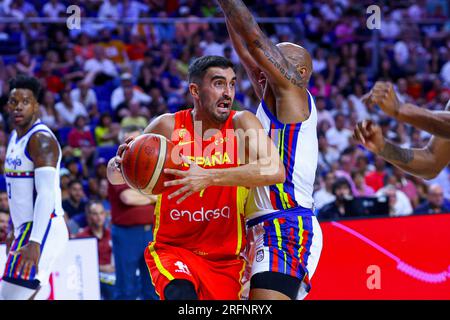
x: 384, y: 258
x: 75, y: 275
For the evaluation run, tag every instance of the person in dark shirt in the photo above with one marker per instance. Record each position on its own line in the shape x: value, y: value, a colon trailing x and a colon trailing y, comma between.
x: 436, y: 202
x: 336, y: 209
x: 74, y: 206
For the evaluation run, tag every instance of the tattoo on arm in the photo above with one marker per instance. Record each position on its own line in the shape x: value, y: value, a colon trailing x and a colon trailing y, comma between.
x: 271, y: 52
x: 241, y: 19
x: 395, y: 153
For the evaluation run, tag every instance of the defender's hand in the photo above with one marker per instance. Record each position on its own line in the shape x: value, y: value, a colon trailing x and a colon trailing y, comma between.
x: 370, y: 136
x: 383, y: 95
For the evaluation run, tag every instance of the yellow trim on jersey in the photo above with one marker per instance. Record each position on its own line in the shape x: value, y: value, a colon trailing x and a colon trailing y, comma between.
x: 300, y: 236
x: 159, y: 265
x: 24, y: 235
x: 278, y: 232
x: 151, y: 278
x: 157, y: 215
x: 151, y: 247
x: 282, y: 197
x: 241, y: 274
x: 17, y: 171
x: 241, y: 197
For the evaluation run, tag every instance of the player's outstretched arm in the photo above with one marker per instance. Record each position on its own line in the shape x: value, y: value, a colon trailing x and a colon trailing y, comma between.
x: 44, y: 152
x: 434, y: 122
x: 425, y: 163
x: 280, y: 72
x: 250, y: 66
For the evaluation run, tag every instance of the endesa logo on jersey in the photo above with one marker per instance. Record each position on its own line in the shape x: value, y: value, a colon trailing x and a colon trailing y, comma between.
x: 200, y: 215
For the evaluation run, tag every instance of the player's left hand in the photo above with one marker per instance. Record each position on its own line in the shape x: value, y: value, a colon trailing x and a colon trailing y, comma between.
x: 30, y: 254
x: 193, y: 180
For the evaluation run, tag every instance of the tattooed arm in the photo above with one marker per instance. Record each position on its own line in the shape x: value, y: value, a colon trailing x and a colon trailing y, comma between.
x: 279, y: 70
x: 250, y: 66
x: 435, y: 122
x: 425, y: 163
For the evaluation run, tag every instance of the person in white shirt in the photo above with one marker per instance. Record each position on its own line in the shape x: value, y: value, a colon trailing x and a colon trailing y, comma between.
x: 68, y: 109
x: 118, y: 95
x: 53, y: 8
x: 99, y: 69
x: 325, y: 194
x: 399, y: 204
x: 109, y: 9
x: 210, y: 46
x: 339, y: 136
x: 87, y: 97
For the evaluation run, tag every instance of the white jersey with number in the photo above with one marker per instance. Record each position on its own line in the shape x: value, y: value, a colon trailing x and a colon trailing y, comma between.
x: 297, y: 145
x: 19, y: 175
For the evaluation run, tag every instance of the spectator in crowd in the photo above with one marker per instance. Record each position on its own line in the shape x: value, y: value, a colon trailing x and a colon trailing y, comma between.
x: 436, y: 202
x: 361, y: 188
x: 336, y: 209
x: 68, y: 109
x: 325, y: 194
x: 107, y: 131
x: 135, y: 116
x: 81, y: 138
x: 4, y: 226
x: 87, y: 97
x: 339, y: 136
x: 96, y: 217
x: 74, y: 206
x: 25, y: 63
x: 132, y: 222
x: 375, y: 178
x: 118, y: 95
x: 4, y: 204
x: 404, y: 183
x: 49, y: 116
x: 99, y: 69
x: 327, y: 154
x: 53, y: 9
x: 399, y: 204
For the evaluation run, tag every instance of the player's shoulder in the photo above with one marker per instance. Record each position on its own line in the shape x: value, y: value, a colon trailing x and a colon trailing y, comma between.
x: 43, y: 136
x: 243, y: 115
x: 163, y: 124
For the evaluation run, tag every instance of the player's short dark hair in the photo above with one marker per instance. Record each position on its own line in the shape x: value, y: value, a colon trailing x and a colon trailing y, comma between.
x: 199, y: 66
x: 26, y: 82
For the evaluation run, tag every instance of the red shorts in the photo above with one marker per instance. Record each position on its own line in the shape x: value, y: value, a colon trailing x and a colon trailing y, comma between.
x: 212, y: 279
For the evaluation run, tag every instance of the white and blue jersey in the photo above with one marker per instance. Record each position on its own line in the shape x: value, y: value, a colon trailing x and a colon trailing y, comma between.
x: 20, y: 184
x: 284, y: 235
x: 298, y: 148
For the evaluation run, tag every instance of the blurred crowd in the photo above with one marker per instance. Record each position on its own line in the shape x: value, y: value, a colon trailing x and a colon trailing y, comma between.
x: 109, y: 76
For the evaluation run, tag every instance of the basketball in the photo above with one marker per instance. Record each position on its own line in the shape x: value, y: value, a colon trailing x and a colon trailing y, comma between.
x: 143, y: 163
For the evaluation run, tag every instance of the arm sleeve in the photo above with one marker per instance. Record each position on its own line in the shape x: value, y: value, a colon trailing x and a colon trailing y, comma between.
x: 44, y: 206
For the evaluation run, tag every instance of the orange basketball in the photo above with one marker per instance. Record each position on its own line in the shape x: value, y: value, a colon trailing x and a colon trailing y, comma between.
x: 143, y: 163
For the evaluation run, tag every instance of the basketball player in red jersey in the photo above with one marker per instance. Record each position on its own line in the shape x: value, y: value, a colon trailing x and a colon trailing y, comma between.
x: 199, y: 231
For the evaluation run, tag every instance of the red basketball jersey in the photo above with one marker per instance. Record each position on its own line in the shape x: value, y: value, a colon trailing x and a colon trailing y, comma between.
x: 209, y: 223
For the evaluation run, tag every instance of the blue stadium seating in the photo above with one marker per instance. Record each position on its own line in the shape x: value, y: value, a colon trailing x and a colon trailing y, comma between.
x: 106, y: 152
